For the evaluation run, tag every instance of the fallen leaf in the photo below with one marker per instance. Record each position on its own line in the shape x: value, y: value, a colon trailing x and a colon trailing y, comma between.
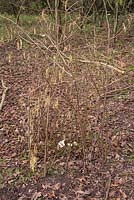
x: 121, y: 181
x: 57, y: 186
x: 80, y: 192
x: 36, y: 195
x: 22, y: 197
x: 51, y: 195
x: 123, y: 194
x: 82, y: 179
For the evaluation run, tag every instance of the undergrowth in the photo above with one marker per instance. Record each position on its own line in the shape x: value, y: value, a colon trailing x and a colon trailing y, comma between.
x: 67, y: 112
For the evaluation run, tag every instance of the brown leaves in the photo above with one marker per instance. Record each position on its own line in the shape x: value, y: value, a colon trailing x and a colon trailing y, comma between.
x: 119, y: 181
x: 57, y: 186
x: 50, y: 190
x: 123, y: 194
x: 36, y: 195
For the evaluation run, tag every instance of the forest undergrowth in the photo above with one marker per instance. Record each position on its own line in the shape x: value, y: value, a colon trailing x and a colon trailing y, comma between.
x: 66, y: 119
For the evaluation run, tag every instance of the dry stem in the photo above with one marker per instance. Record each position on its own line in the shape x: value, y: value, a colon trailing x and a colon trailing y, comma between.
x: 3, y: 95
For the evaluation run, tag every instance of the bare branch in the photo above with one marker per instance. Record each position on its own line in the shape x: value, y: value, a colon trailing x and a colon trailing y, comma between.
x: 108, y: 186
x: 103, y: 64
x: 3, y: 95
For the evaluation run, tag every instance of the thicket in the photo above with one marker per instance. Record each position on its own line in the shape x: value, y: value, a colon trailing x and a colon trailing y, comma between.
x: 74, y: 80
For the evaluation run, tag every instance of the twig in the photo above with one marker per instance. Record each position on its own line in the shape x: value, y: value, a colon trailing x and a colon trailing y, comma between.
x: 108, y: 187
x: 103, y: 64
x: 46, y: 136
x: 26, y: 34
x: 3, y: 95
x: 116, y: 91
x: 112, y: 67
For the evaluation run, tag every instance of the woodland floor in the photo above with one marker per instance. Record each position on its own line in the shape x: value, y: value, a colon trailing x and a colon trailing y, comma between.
x: 113, y: 179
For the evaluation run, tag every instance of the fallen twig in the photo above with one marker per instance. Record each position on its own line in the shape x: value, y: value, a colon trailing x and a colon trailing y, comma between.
x: 3, y: 95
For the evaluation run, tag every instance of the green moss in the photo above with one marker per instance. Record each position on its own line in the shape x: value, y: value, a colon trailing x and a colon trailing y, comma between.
x: 130, y: 68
